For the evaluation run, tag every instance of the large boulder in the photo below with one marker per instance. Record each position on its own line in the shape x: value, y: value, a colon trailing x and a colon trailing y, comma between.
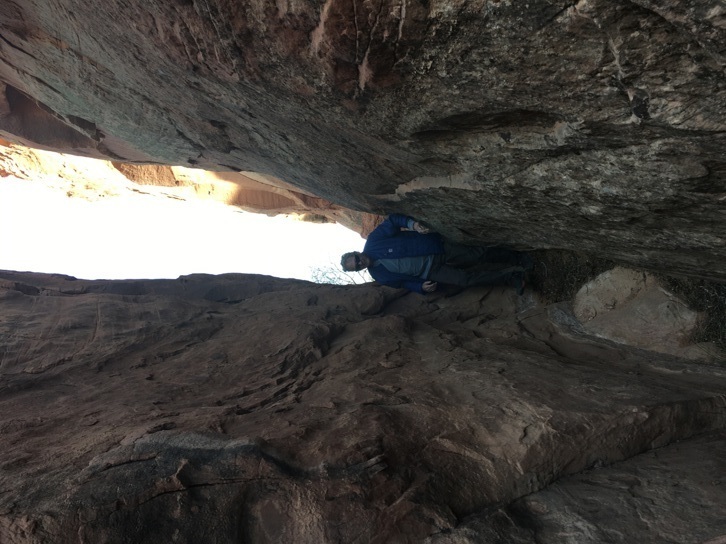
x: 634, y: 308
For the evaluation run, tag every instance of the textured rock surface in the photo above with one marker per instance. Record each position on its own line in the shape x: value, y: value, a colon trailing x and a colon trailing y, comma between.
x: 596, y: 125
x: 634, y: 501
x: 248, y: 408
x: 632, y: 307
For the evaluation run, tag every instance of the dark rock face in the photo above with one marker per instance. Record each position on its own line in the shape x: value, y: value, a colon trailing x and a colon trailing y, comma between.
x: 596, y: 126
x: 251, y: 409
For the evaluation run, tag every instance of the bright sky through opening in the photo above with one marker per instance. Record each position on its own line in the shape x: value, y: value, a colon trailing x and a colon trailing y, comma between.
x: 136, y: 235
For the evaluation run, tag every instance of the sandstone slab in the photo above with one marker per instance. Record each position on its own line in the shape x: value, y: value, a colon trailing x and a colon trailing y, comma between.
x: 234, y: 407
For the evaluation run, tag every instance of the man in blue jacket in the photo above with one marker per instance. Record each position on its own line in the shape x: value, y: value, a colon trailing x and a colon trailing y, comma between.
x: 401, y: 252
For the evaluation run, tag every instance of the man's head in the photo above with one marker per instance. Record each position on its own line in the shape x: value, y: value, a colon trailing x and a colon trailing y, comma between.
x: 354, y: 261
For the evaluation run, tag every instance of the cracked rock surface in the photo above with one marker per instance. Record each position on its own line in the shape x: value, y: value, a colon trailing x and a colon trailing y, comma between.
x: 241, y: 408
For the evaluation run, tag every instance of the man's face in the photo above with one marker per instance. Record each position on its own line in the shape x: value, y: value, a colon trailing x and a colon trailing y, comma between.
x: 357, y: 261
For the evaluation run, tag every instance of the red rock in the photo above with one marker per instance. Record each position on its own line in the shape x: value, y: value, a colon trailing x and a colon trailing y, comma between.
x: 229, y: 408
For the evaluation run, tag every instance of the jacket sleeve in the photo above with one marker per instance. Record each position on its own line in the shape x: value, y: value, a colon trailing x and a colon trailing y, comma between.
x: 401, y: 221
x: 391, y: 226
x: 384, y: 277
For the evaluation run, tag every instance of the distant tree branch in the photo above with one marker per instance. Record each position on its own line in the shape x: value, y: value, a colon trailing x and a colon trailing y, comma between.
x: 332, y: 273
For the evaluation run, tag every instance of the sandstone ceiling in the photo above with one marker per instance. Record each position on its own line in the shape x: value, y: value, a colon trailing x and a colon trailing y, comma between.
x: 594, y: 125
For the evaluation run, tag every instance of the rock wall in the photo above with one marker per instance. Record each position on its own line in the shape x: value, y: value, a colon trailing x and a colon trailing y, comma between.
x: 252, y: 409
x: 595, y: 125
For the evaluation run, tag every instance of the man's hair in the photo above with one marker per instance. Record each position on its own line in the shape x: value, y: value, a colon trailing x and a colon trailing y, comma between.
x: 345, y: 257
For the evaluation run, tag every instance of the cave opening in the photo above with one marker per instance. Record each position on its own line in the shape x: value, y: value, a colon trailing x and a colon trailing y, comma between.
x: 84, y: 218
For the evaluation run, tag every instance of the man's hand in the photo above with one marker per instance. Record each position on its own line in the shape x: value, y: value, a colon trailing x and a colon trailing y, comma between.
x: 429, y: 286
x: 421, y: 229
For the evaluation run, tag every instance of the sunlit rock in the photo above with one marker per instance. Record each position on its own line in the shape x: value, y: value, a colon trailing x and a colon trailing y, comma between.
x: 93, y: 178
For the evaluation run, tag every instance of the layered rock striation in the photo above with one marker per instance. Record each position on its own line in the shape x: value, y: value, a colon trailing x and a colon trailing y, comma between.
x: 593, y: 125
x: 248, y: 408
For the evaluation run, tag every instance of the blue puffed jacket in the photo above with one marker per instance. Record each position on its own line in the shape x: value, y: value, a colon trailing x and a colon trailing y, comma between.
x: 387, y: 241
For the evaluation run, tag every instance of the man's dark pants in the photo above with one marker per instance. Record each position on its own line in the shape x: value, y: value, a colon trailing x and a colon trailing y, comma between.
x: 461, y: 265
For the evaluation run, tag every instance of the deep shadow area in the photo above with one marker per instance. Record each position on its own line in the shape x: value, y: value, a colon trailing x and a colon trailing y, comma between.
x: 559, y: 274
x: 703, y: 296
